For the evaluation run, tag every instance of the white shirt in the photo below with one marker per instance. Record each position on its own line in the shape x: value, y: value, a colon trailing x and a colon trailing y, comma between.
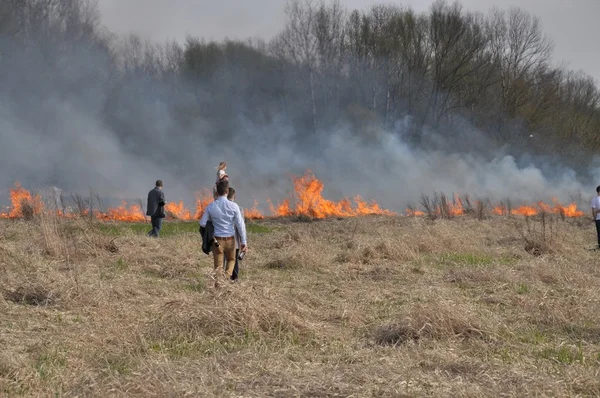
x: 226, y: 217
x: 238, y: 238
x: 596, y: 205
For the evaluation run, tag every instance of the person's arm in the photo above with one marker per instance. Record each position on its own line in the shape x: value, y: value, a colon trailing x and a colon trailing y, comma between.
x: 241, y: 227
x: 161, y: 199
x: 204, y: 218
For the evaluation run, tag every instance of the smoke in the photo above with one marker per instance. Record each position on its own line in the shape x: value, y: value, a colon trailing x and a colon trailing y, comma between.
x: 68, y: 118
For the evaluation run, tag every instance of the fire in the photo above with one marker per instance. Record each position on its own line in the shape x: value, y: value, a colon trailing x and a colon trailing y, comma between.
x: 414, y: 213
x: 203, y: 199
x: 306, y: 200
x: 310, y: 203
x: 178, y: 211
x: 20, y: 197
x: 132, y: 214
x: 254, y: 213
x: 282, y: 210
x: 455, y: 208
x: 500, y: 210
x: 525, y: 211
x: 570, y: 210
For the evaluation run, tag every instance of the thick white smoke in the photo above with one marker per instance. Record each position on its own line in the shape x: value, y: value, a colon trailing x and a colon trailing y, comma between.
x: 74, y: 122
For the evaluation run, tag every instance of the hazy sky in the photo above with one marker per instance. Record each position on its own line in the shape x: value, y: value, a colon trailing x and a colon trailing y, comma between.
x: 572, y: 24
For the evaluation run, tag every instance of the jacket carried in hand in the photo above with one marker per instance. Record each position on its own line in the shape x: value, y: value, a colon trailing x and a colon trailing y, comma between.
x: 156, y: 203
x: 208, y: 235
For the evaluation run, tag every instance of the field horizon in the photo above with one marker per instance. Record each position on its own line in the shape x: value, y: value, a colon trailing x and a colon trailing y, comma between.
x: 372, y: 306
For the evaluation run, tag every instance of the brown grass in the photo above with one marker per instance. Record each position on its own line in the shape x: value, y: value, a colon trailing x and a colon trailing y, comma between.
x: 374, y: 306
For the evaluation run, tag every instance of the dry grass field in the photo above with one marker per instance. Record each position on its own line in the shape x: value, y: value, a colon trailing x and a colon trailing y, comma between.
x: 359, y: 307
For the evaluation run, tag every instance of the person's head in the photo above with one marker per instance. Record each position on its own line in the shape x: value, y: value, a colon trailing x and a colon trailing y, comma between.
x: 223, y: 188
x: 231, y: 194
x: 159, y: 184
x: 222, y: 166
x: 598, y: 189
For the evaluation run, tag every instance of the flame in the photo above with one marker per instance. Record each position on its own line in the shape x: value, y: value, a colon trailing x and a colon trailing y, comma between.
x: 254, y: 213
x: 307, y: 200
x: 570, y: 210
x: 311, y: 203
x: 178, y: 211
x: 414, y: 213
x: 19, y: 197
x: 526, y: 211
x: 456, y: 208
x: 281, y: 210
x: 203, y: 199
x: 500, y: 210
x: 132, y: 214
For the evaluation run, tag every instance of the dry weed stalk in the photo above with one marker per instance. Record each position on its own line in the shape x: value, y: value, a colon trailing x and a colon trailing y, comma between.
x: 429, y: 206
x: 539, y: 233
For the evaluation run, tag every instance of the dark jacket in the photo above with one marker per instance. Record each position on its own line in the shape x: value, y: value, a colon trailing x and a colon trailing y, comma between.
x: 207, y: 237
x: 156, y: 203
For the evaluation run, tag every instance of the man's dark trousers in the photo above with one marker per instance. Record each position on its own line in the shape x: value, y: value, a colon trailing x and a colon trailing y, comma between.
x: 156, y: 226
x: 598, y: 231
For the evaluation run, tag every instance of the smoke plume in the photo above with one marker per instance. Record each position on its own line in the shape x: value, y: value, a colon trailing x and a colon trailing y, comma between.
x: 69, y: 117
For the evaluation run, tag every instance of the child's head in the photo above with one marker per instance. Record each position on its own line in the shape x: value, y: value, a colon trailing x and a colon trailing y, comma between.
x: 222, y: 166
x: 598, y: 189
x: 231, y: 194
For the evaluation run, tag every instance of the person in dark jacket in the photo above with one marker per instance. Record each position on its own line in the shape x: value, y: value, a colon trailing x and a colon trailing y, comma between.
x: 156, y: 208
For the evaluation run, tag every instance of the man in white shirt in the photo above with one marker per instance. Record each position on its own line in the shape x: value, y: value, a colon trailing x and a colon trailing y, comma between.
x: 596, y: 213
x: 226, y: 218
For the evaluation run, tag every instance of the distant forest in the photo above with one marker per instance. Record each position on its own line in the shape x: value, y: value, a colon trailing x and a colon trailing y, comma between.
x: 330, y: 67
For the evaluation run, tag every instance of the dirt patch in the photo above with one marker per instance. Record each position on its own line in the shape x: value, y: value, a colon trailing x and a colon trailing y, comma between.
x: 33, y: 294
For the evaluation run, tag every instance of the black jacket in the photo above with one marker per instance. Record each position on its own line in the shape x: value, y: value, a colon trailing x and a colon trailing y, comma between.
x: 208, y: 236
x: 156, y: 203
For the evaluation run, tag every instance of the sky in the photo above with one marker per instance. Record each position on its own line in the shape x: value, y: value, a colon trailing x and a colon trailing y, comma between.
x: 572, y: 24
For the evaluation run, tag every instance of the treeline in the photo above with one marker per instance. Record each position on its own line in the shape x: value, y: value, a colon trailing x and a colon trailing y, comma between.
x: 366, y: 70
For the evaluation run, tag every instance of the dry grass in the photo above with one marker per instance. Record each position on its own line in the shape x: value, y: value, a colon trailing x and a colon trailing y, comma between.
x: 376, y: 306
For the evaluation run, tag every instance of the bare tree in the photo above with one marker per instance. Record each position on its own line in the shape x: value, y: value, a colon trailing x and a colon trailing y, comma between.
x: 521, y: 48
x: 458, y: 45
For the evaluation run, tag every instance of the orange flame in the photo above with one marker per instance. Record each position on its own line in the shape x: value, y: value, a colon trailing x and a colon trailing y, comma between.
x: 203, y: 199
x: 281, y: 210
x: 310, y: 202
x: 307, y: 200
x: 178, y: 211
x: 414, y: 213
x: 19, y: 196
x: 254, y: 213
x: 456, y: 208
x: 526, y: 211
x: 132, y: 214
x: 500, y: 210
x: 531, y: 210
